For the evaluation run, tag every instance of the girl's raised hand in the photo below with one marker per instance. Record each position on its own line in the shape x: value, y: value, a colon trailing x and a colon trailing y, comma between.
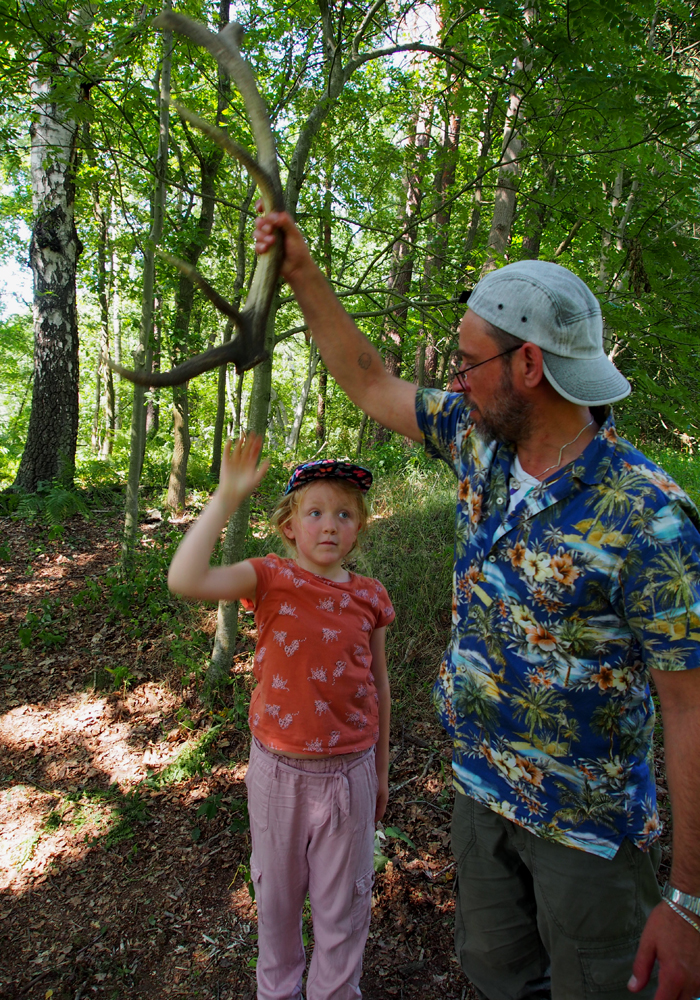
x: 240, y: 472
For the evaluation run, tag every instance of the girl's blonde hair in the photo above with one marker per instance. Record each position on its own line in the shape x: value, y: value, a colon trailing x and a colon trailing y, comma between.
x: 286, y: 508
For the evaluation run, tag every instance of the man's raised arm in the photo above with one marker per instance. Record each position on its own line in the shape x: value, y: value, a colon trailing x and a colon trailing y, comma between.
x: 350, y: 358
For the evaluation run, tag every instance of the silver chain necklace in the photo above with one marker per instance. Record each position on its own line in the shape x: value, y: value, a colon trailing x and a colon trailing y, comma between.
x: 561, y: 452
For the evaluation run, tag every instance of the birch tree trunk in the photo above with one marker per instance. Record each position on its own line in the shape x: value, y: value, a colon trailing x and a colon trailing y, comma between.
x: 138, y: 412
x: 49, y: 451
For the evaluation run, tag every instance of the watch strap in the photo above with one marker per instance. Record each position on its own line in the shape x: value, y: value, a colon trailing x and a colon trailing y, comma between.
x: 691, y: 903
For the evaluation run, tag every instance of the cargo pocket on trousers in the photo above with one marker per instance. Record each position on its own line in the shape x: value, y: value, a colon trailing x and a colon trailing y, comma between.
x: 463, y: 827
x: 608, y: 967
x: 255, y: 876
x: 362, y: 902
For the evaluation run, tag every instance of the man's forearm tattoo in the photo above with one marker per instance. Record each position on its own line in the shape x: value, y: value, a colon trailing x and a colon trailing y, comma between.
x: 364, y: 361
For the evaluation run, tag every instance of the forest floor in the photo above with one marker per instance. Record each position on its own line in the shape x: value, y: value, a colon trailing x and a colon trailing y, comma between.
x: 123, y: 837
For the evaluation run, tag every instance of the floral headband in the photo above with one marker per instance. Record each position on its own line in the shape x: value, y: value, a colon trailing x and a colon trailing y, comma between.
x: 329, y: 468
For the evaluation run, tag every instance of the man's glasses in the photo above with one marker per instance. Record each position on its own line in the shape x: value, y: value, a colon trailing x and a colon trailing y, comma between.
x: 458, y: 374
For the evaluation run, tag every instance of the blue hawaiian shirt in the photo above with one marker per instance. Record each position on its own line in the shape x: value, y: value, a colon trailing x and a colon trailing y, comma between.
x: 559, y: 610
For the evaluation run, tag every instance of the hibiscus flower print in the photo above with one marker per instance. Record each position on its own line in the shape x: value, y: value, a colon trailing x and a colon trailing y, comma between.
x: 563, y: 569
x: 517, y: 555
x: 540, y: 638
x: 536, y: 566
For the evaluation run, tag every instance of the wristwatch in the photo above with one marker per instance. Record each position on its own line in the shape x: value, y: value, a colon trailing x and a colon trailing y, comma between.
x: 691, y: 903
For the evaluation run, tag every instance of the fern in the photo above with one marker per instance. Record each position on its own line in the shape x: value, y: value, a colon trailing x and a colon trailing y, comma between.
x: 53, y: 502
x: 61, y: 503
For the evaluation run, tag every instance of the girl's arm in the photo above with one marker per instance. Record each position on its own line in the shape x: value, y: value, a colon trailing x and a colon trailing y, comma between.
x: 190, y: 573
x: 377, y: 645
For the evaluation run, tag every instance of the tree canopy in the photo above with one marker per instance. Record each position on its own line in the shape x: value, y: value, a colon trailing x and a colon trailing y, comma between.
x: 419, y: 145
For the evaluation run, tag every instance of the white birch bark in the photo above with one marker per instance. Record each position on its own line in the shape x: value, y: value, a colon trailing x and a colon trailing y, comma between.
x: 49, y: 451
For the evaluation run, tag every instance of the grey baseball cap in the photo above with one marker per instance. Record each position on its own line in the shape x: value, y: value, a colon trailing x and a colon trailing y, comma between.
x: 550, y: 306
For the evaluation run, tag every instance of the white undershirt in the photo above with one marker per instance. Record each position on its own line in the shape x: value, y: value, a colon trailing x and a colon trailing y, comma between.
x: 521, y: 483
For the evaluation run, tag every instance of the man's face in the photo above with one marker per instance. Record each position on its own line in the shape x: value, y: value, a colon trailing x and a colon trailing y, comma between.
x: 500, y: 411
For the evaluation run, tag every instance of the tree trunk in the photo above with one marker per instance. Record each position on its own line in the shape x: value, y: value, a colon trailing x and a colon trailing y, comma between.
x: 217, y: 443
x: 153, y: 404
x: 438, y: 239
x: 234, y: 541
x: 485, y: 144
x: 399, y: 285
x: 401, y: 274
x: 295, y: 430
x: 507, y: 184
x: 95, y: 435
x: 238, y: 283
x: 209, y: 167
x: 321, y: 403
x: 117, y: 340
x: 138, y: 413
x: 537, y: 214
x: 49, y: 451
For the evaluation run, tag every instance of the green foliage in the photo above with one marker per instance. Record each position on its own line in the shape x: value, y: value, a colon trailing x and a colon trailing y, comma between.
x: 52, y: 504
x: 193, y: 759
x: 15, y: 391
x: 41, y: 625
x: 380, y: 837
x: 129, y: 810
x: 409, y: 548
x: 122, y: 677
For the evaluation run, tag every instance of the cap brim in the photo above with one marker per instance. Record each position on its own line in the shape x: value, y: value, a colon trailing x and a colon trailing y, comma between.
x: 594, y: 382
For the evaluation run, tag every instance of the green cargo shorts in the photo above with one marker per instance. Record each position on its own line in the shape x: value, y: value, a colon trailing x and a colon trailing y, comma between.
x: 536, y: 920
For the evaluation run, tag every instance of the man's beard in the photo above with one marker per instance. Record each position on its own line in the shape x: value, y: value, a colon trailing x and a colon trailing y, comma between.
x: 507, y: 420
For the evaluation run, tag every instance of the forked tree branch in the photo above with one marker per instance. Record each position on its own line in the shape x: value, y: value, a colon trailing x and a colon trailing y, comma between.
x: 248, y: 348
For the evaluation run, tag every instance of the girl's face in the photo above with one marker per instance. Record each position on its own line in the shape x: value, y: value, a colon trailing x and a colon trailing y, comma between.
x: 324, y: 528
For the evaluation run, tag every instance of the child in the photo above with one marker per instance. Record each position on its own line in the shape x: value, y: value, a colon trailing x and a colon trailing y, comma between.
x: 318, y: 776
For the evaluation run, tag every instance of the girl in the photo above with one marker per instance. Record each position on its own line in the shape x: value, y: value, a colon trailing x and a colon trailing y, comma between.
x: 319, y: 761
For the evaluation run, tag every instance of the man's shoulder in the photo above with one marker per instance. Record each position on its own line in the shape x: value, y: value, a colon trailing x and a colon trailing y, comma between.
x: 438, y: 402
x: 637, y: 473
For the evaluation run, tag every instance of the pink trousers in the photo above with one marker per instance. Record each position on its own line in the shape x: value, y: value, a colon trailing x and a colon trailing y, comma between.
x: 312, y: 830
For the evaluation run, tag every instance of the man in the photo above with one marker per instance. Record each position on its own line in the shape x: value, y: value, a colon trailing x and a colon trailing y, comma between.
x: 577, y: 578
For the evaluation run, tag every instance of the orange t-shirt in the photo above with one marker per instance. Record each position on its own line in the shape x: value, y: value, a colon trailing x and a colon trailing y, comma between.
x: 313, y: 664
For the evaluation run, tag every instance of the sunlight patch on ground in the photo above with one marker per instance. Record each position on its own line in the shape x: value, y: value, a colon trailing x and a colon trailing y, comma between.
x: 38, y: 828
x: 88, y: 737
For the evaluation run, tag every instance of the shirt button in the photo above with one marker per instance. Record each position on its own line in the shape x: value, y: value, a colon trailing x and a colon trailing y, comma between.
x: 492, y: 559
x: 499, y: 501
